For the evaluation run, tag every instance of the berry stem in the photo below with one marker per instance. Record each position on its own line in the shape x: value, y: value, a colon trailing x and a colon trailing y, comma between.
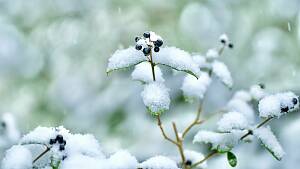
x: 41, y: 155
x: 152, y: 64
x: 258, y: 126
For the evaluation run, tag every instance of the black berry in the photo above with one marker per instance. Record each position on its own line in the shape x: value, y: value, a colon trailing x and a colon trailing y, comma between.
x: 230, y: 45
x: 295, y: 100
x: 60, y: 139
x: 156, y: 49
x: 138, y: 47
x: 188, y: 162
x: 64, y: 142
x: 158, y: 43
x: 284, y: 109
x: 146, y: 51
x: 137, y: 39
x: 52, y: 141
x: 146, y: 34
x: 61, y: 147
x: 261, y: 85
x: 223, y: 41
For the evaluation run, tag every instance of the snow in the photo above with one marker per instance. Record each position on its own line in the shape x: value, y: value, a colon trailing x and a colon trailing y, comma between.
x: 158, y: 162
x: 195, y: 88
x: 42, y: 135
x: 222, y: 72
x: 156, y: 97
x: 177, y: 59
x: 242, y: 95
x: 219, y: 141
x: 122, y: 160
x: 278, y: 104
x: 224, y: 38
x: 154, y: 36
x: 232, y: 121
x: 9, y: 134
x: 125, y: 58
x: 200, y: 61
x: 17, y: 157
x: 143, y: 73
x: 84, y: 144
x: 194, y: 157
x: 257, y: 92
x: 212, y: 54
x: 239, y: 105
x: 80, y: 161
x: 268, y: 139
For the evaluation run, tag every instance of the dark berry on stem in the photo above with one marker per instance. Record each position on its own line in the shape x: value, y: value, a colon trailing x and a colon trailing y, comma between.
x: 61, y: 147
x: 137, y: 39
x: 223, y: 41
x: 52, y: 141
x: 188, y: 162
x: 64, y: 142
x: 295, y: 100
x: 138, y: 47
x: 146, y: 34
x: 261, y: 85
x: 158, y: 43
x: 230, y: 45
x: 146, y: 51
x: 156, y: 49
x: 284, y: 109
x: 60, y: 139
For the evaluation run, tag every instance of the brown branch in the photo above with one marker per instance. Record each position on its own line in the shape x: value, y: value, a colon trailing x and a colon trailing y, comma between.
x: 205, y: 158
x: 152, y: 65
x: 258, y: 126
x: 163, y: 131
x: 179, y: 145
x: 195, y: 122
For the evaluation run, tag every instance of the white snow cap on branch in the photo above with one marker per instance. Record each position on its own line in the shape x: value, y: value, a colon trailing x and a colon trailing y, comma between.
x: 278, y: 104
x: 212, y: 54
x: 156, y: 97
x: 125, y: 58
x: 268, y: 139
x: 224, y: 38
x: 222, y: 72
x: 232, y: 121
x: 177, y: 59
x: 17, y: 157
x: 257, y: 92
x: 143, y: 73
x: 219, y: 141
x: 193, y: 157
x: 195, y: 88
x: 122, y: 160
x: 159, y: 162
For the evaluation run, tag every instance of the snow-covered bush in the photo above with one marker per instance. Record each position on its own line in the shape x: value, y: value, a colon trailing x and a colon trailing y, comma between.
x: 58, y: 148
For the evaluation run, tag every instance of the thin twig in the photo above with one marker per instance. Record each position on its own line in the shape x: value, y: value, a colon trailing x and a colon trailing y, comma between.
x: 195, y: 122
x: 163, y: 131
x: 205, y: 158
x: 41, y: 155
x: 152, y: 65
x: 179, y: 145
x: 258, y: 126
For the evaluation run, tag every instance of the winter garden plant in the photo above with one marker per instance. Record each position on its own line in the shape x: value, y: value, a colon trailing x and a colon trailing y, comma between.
x: 57, y: 148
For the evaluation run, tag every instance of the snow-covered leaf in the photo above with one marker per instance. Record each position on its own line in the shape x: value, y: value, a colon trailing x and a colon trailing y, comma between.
x: 195, y: 88
x: 222, y: 142
x: 125, y: 58
x: 232, y: 160
x: 156, y: 97
x: 257, y: 92
x: 122, y: 160
x: 232, y: 121
x: 243, y: 107
x: 177, y: 59
x: 158, y: 162
x: 269, y: 141
x: 17, y: 157
x: 278, y: 104
x: 143, y: 73
x: 222, y: 72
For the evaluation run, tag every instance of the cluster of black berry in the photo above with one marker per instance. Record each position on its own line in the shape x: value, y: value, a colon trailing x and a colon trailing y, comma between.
x: 224, y: 40
x: 148, y: 41
x: 285, y: 109
x: 60, y: 140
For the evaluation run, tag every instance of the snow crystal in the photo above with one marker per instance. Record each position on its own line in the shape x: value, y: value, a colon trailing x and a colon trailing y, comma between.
x: 257, y: 92
x: 83, y: 144
x: 17, y: 157
x: 243, y: 107
x: 156, y: 97
x: 222, y: 72
x: 194, y: 157
x: 122, y: 160
x: 143, y: 73
x: 177, y: 59
x: 125, y: 58
x: 278, y: 104
x: 195, y: 88
x: 219, y: 141
x: 231, y: 121
x: 268, y: 139
x: 42, y: 135
x: 212, y: 54
x: 159, y: 162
